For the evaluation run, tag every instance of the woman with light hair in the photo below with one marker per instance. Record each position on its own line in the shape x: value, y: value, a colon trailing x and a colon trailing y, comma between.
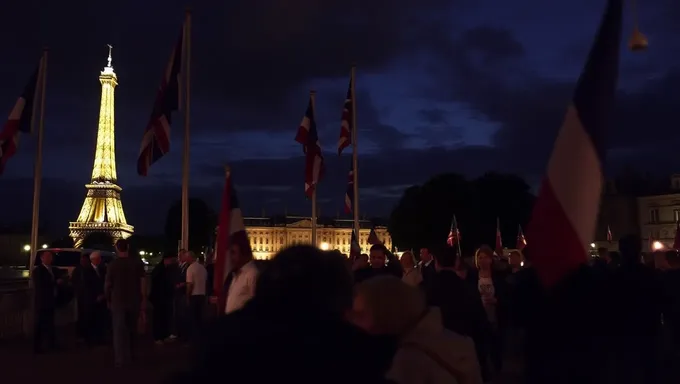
x: 427, y: 352
x: 412, y: 274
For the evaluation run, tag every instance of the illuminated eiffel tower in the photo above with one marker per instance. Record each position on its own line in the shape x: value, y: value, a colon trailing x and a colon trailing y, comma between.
x: 102, y: 210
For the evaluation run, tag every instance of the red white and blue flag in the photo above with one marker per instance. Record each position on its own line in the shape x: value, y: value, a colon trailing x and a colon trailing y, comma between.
x: 355, y: 248
x: 230, y: 232
x: 610, y: 237
x: 521, y: 240
x: 308, y: 136
x: 454, y: 234
x: 156, y: 140
x: 349, y: 193
x: 346, y: 122
x: 565, y: 214
x: 20, y: 117
x: 373, y: 238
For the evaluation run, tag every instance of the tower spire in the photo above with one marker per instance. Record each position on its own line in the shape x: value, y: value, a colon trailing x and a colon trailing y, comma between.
x: 102, y: 210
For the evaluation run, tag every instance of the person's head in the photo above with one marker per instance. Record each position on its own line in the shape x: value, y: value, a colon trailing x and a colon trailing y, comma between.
x: 96, y: 258
x: 84, y: 260
x: 603, y: 252
x: 378, y: 256
x: 630, y: 248
x: 484, y: 258
x: 239, y: 251
x: 445, y: 259
x: 189, y: 257
x: 425, y: 255
x: 361, y: 260
x: 515, y: 259
x: 46, y: 258
x: 169, y: 259
x: 122, y: 247
x: 182, y: 255
x: 385, y: 305
x: 304, y: 278
x: 407, y: 260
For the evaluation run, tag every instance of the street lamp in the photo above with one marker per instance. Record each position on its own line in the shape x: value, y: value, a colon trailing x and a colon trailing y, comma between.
x: 324, y: 246
x: 27, y: 248
x: 142, y: 253
x: 657, y: 245
x: 592, y: 245
x: 44, y: 246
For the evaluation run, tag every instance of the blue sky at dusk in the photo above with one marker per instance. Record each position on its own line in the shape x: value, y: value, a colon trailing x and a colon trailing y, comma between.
x: 442, y: 86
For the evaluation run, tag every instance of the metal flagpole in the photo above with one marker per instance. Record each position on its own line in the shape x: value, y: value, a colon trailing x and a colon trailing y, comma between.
x: 312, y: 96
x: 355, y: 158
x: 185, y: 156
x: 37, y: 171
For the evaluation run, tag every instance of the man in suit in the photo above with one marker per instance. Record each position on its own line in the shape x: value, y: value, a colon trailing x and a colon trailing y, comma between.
x: 427, y: 266
x: 45, y: 282
x: 95, y: 300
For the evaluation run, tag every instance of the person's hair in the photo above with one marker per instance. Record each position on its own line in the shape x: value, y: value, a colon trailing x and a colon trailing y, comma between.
x: 94, y: 254
x: 483, y: 249
x: 446, y: 257
x: 379, y: 247
x: 630, y: 248
x: 395, y: 305
x: 410, y: 255
x: 122, y: 245
x: 308, y: 279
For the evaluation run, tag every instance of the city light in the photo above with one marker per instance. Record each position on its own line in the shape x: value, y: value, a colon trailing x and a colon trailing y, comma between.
x: 324, y: 246
x: 27, y: 248
x: 592, y: 245
x: 44, y: 246
x: 657, y: 245
x: 142, y: 253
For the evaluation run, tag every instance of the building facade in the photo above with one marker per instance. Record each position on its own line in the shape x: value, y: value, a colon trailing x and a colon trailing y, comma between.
x: 269, y: 235
x: 659, y: 215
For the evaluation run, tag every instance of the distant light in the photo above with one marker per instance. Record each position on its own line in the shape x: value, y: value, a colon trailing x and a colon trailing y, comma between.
x: 521, y: 263
x: 325, y: 246
x: 44, y: 246
x: 657, y: 245
x: 142, y: 253
x: 27, y: 248
x: 144, y: 261
x: 592, y: 245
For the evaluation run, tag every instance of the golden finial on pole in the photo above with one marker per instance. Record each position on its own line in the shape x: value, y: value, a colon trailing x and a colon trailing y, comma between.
x: 638, y: 41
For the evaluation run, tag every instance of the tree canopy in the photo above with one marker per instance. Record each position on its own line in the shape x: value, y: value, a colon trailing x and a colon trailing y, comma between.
x: 202, y: 223
x: 423, y: 215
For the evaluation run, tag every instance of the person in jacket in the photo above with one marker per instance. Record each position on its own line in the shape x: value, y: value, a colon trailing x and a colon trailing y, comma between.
x: 427, y: 352
x: 412, y: 272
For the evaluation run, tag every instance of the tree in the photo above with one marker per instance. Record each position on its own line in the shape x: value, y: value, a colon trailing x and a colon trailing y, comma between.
x: 64, y: 242
x: 202, y: 223
x: 423, y: 215
x: 98, y: 240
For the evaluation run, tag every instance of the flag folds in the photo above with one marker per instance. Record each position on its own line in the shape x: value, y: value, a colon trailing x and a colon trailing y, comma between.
x: 373, y: 238
x: 20, y: 117
x: 349, y: 193
x: 308, y: 136
x: 230, y: 232
x: 565, y: 214
x: 156, y: 139
x: 346, y: 122
x: 521, y: 240
x: 454, y: 234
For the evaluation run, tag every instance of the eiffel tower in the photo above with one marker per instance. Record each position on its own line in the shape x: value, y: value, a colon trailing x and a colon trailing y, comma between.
x: 102, y: 210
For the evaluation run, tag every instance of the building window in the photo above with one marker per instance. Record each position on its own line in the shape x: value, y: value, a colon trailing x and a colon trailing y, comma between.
x: 654, y: 215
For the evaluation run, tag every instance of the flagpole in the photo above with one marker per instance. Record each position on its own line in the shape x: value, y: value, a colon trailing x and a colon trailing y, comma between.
x: 355, y: 158
x: 185, y: 156
x: 312, y: 99
x: 37, y: 171
x: 457, y: 234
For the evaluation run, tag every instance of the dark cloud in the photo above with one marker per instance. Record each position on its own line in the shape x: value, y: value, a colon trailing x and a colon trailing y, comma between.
x: 433, y: 116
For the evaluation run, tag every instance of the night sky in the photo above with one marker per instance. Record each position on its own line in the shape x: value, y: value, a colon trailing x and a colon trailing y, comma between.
x: 442, y: 86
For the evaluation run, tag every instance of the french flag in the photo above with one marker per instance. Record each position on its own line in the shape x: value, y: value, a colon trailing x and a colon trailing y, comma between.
x: 231, y: 232
x: 156, y: 140
x: 308, y: 136
x: 346, y: 122
x: 20, y: 118
x: 349, y: 193
x: 565, y: 214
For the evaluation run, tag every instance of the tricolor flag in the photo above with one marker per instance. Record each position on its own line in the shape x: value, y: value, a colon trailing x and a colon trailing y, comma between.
x: 20, y: 117
x: 521, y: 240
x: 499, y: 239
x: 231, y: 232
x: 349, y: 193
x: 454, y: 234
x: 346, y: 123
x: 610, y: 237
x: 309, y: 138
x: 565, y: 214
x: 676, y: 242
x: 156, y: 140
x: 355, y: 248
x: 373, y: 238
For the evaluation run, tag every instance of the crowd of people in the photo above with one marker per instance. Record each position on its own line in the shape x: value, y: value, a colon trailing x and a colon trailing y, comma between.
x: 310, y: 315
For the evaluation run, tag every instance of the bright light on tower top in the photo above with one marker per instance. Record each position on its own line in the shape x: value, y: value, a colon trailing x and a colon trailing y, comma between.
x: 108, y: 70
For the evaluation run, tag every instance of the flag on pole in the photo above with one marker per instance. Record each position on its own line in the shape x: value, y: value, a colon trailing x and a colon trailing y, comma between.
x: 346, y: 122
x: 156, y: 139
x: 676, y: 242
x: 521, y: 240
x: 20, y: 117
x: 499, y: 239
x: 349, y: 193
x: 231, y: 231
x: 355, y: 248
x: 373, y: 238
x: 565, y: 214
x: 610, y: 238
x: 454, y: 233
x: 307, y: 136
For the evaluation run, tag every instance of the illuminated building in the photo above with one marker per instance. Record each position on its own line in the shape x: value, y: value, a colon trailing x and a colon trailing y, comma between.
x: 268, y: 235
x: 102, y: 210
x: 659, y: 214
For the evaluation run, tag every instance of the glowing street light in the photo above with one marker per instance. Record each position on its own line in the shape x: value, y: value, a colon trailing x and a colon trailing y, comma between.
x: 142, y: 253
x: 44, y: 246
x: 325, y: 246
x: 27, y: 248
x: 592, y: 245
x: 657, y: 245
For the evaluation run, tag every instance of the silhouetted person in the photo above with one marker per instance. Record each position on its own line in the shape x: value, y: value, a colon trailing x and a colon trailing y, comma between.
x: 295, y: 323
x: 94, y: 275
x: 427, y: 265
x: 79, y: 286
x: 45, y: 279
x: 162, y: 297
